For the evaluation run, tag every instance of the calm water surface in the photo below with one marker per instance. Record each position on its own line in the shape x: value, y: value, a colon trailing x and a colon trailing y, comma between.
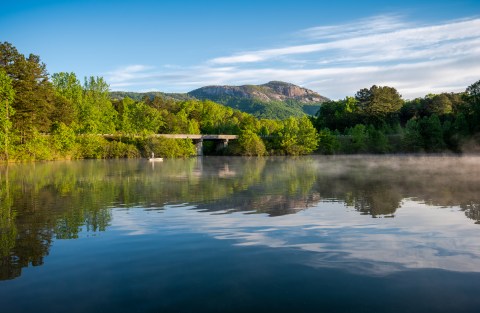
x: 314, y: 234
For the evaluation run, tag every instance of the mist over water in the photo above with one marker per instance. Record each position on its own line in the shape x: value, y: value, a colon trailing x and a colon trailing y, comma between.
x: 235, y: 234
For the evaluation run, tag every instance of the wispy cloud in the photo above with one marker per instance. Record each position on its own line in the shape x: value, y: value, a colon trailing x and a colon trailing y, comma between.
x: 370, y: 25
x: 338, y: 60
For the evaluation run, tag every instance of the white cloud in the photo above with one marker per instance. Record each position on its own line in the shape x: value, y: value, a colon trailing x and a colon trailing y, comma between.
x: 338, y: 60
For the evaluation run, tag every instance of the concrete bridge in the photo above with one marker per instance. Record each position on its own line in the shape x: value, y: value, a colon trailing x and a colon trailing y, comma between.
x: 222, y: 140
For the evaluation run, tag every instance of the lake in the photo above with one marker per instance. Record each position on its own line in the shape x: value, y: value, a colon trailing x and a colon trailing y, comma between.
x: 221, y: 234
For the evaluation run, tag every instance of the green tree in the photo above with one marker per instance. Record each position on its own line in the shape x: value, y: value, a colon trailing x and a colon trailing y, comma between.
x: 439, y: 104
x: 413, y: 140
x: 377, y: 140
x: 338, y: 115
x: 33, y: 92
x: 7, y: 95
x: 297, y: 136
x: 69, y: 97
x: 63, y: 138
x: 327, y: 142
x: 96, y: 114
x: 472, y: 95
x: 460, y: 126
x: 432, y: 133
x: 138, y: 118
x: 378, y: 102
x: 307, y: 136
x: 251, y: 144
x: 359, y: 138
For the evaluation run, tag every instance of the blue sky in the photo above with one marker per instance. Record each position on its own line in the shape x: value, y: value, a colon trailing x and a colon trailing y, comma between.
x: 332, y: 47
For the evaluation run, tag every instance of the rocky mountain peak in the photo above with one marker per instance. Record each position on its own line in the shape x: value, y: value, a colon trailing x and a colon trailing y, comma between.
x: 271, y: 91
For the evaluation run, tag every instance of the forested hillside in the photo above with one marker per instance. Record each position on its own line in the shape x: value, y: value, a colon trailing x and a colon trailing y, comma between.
x: 274, y: 100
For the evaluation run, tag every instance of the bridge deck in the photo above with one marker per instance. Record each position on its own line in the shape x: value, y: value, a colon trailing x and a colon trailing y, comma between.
x: 186, y: 136
x: 196, y: 136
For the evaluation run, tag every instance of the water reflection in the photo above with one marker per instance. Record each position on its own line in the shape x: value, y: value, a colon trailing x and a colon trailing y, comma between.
x: 42, y: 202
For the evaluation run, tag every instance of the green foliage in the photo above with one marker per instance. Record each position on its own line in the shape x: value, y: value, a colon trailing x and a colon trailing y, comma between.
x: 377, y: 141
x: 44, y: 120
x: 432, y: 133
x: 297, y: 136
x: 91, y: 146
x: 96, y: 114
x: 378, y: 103
x: 413, y: 139
x: 266, y: 109
x: 138, y: 118
x: 338, y: 115
x: 34, y: 94
x: 37, y: 148
x: 328, y: 143
x: 118, y: 149
x: 251, y: 144
x: 359, y: 138
x: 274, y: 100
x: 430, y: 124
x: 473, y: 93
x: 440, y: 105
x: 7, y: 95
x: 460, y: 126
x: 168, y: 148
x: 472, y: 97
x: 63, y: 139
x: 68, y: 98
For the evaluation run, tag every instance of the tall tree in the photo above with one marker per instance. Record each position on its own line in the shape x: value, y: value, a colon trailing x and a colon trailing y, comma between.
x: 69, y: 97
x: 432, y: 132
x: 472, y: 95
x: 473, y: 92
x: 378, y: 102
x: 297, y: 136
x: 7, y: 95
x: 34, y: 93
x: 96, y: 114
x: 137, y: 117
x: 439, y: 104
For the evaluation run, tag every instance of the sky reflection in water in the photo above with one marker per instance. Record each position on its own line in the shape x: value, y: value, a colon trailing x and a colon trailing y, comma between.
x: 155, y: 231
x: 419, y: 236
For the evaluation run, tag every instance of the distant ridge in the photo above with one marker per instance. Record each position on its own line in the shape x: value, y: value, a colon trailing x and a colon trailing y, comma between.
x: 275, y: 99
x: 271, y: 91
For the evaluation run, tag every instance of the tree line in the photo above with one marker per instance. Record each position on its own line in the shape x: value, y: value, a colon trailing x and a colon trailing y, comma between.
x: 45, y: 117
x: 378, y: 120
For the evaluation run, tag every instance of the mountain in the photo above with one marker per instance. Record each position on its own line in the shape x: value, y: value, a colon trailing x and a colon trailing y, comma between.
x: 277, y: 100
x: 271, y: 100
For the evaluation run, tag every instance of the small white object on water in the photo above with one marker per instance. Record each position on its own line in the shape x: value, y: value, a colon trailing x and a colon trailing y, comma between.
x: 154, y: 159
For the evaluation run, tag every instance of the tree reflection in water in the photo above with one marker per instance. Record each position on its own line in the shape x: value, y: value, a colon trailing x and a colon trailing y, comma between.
x: 59, y: 200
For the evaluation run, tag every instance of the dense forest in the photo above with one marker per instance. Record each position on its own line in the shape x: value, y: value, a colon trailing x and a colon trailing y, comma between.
x: 47, y: 117
x: 378, y: 120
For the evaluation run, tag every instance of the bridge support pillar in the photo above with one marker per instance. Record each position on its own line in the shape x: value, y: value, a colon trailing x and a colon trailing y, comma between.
x: 198, y: 146
x: 221, y: 145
